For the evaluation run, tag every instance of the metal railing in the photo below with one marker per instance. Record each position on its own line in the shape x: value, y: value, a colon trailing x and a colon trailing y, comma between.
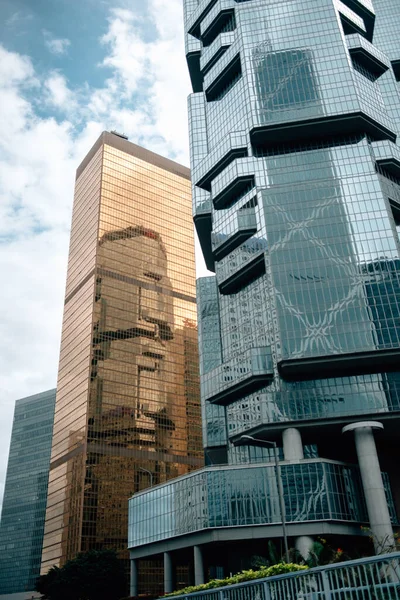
x: 375, y: 578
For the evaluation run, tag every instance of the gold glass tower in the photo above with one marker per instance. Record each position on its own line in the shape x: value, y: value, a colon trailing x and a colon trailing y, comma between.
x: 127, y: 409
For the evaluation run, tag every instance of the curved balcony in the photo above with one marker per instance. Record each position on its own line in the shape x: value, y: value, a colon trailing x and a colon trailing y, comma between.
x: 194, y: 18
x: 233, y: 182
x: 365, y: 10
x: 212, y: 53
x: 216, y: 20
x: 241, y: 267
x: 202, y: 208
x: 237, y: 377
x: 263, y: 411
x: 233, y: 146
x: 244, y: 225
x: 219, y: 497
x: 387, y: 155
x: 367, y: 55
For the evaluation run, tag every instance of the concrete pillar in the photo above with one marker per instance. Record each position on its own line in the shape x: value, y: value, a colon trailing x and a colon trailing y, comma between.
x: 292, y: 444
x: 304, y: 545
x: 168, y: 573
x: 375, y: 497
x: 198, y: 565
x: 134, y: 578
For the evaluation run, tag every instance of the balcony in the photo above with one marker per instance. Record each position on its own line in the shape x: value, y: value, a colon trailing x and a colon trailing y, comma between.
x: 237, y: 377
x: 243, y: 227
x: 233, y: 182
x: 247, y: 495
x: 241, y: 267
x: 367, y: 56
x: 263, y: 411
x: 202, y: 208
x: 194, y: 19
x: 340, y: 365
x: 365, y: 10
x: 222, y: 78
x: 351, y: 21
x: 220, y: 18
x: 396, y: 69
x: 214, y: 51
x: 233, y: 146
x: 387, y: 155
x: 193, y: 54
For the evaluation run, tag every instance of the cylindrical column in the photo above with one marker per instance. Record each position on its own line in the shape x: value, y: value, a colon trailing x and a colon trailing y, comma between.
x: 134, y: 578
x: 304, y: 545
x: 198, y: 566
x: 281, y: 502
x: 371, y: 476
x: 168, y: 573
x: 292, y: 444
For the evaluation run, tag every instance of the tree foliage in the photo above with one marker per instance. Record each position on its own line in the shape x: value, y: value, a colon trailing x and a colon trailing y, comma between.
x: 93, y: 575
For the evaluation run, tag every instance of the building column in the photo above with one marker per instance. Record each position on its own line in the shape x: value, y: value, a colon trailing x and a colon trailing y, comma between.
x: 371, y: 476
x: 168, y: 573
x: 198, y: 566
x: 134, y: 578
x: 292, y: 444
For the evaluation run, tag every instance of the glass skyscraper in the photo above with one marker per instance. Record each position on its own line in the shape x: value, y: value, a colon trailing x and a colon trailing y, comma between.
x: 25, y: 493
x: 128, y: 403
x: 294, y: 122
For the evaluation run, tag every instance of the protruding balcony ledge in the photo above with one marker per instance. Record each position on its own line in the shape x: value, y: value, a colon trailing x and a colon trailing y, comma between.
x: 192, y: 45
x: 233, y: 146
x: 212, y: 53
x: 196, y: 77
x: 245, y: 226
x: 195, y: 18
x: 245, y: 274
x: 365, y: 10
x: 219, y: 70
x: 238, y: 377
x: 203, y: 222
x: 396, y: 69
x: 315, y: 490
x: 228, y: 74
x: 201, y: 202
x: 339, y: 365
x: 232, y: 182
x: 367, y: 55
x: 352, y: 22
x: 387, y: 155
x: 268, y: 136
x: 214, y: 21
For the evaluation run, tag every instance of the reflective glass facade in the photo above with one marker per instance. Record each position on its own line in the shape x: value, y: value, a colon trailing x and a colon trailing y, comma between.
x: 25, y: 493
x: 293, y: 123
x: 296, y: 179
x: 231, y: 497
x: 128, y: 407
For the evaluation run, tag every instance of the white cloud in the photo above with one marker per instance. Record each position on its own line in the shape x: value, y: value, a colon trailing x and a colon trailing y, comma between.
x: 144, y: 95
x: 18, y: 18
x: 14, y: 69
x: 58, y: 93
x: 58, y: 46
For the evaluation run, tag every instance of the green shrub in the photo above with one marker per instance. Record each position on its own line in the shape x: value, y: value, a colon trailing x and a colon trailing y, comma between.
x: 241, y: 577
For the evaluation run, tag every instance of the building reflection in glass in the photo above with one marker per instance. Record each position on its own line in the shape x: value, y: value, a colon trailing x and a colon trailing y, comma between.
x: 127, y: 410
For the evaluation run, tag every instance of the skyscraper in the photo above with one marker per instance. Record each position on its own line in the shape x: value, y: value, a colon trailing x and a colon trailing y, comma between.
x: 25, y: 493
x: 295, y: 163
x: 128, y: 409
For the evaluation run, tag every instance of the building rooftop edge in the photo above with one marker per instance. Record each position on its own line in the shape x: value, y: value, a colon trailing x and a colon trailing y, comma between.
x: 111, y: 139
x: 34, y: 397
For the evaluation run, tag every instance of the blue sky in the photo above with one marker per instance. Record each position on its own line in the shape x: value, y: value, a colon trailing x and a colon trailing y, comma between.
x: 68, y: 70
